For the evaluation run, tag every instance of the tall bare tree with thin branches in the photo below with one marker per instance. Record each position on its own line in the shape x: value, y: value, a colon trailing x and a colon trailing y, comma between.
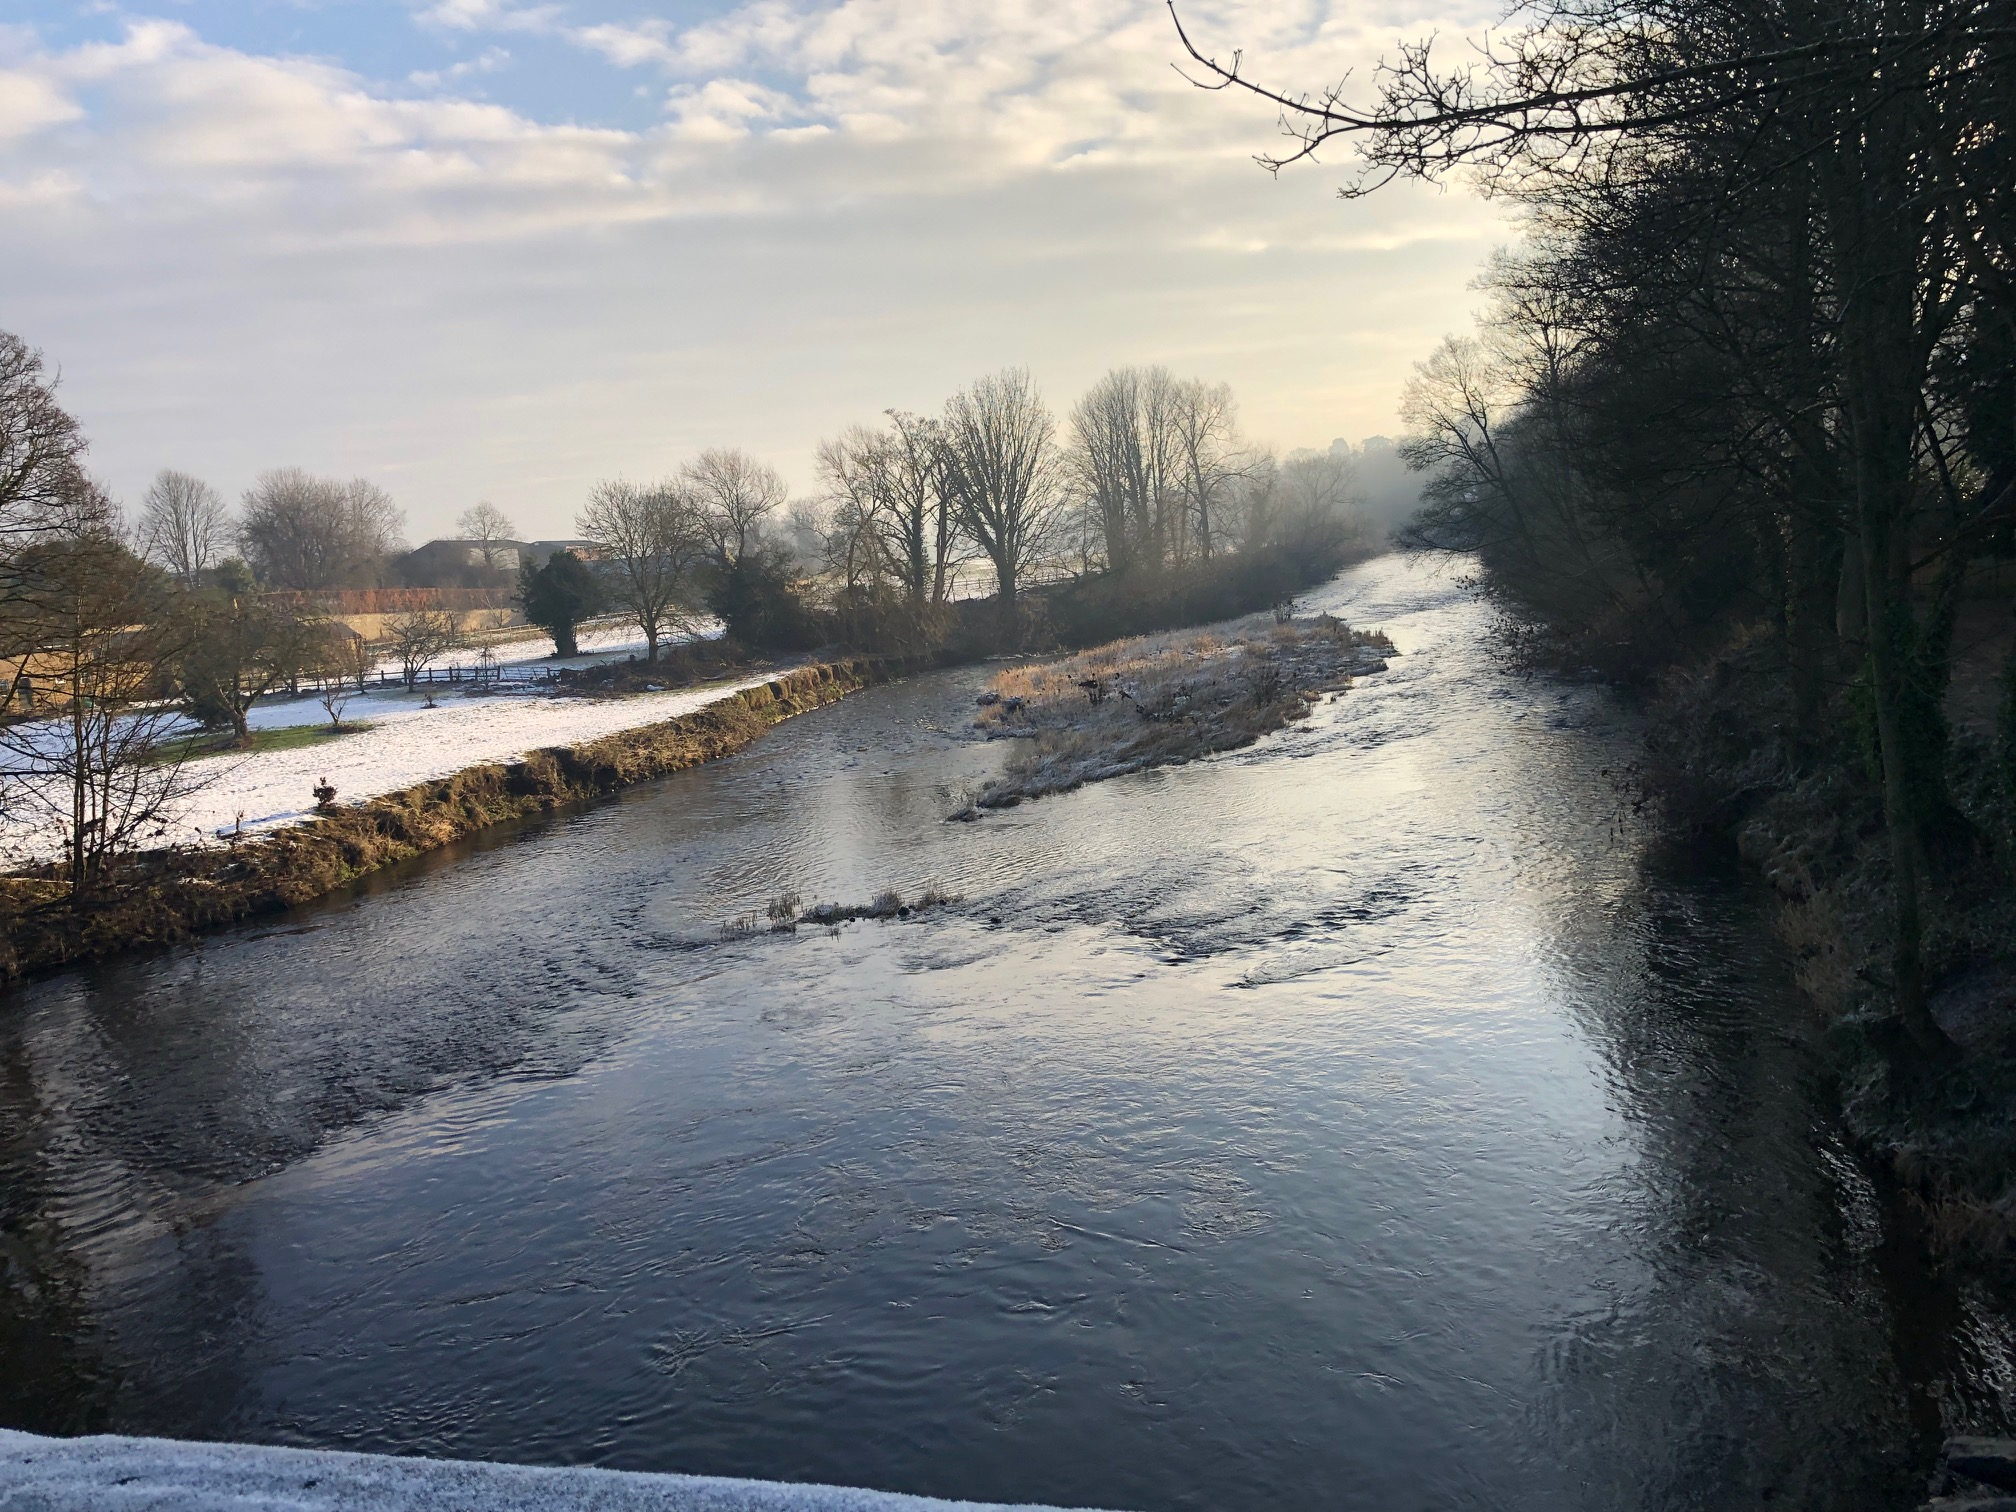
x: 1002, y: 473
x: 489, y: 527
x: 97, y: 763
x: 735, y: 494
x: 1211, y: 460
x: 654, y: 544
x: 41, y: 446
x: 184, y: 524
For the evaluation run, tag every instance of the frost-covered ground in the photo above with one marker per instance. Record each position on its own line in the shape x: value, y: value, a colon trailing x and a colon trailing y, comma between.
x: 103, y: 1473
x: 407, y: 743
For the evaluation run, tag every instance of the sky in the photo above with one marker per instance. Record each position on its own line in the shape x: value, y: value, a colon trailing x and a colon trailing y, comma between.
x: 501, y: 249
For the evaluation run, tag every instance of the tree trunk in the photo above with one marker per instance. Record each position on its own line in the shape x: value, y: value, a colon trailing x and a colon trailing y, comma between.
x: 79, y: 785
x: 1011, y: 627
x: 1876, y: 270
x: 1812, y: 584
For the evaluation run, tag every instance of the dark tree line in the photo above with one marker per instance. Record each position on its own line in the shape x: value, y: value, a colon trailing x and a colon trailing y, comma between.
x: 1753, y: 366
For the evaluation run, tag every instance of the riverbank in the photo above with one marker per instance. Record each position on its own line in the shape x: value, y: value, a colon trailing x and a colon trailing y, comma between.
x: 163, y: 897
x: 407, y: 736
x: 1810, y: 823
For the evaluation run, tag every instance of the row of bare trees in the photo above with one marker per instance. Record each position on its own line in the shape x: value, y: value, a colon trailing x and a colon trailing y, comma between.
x: 112, y: 639
x: 661, y: 546
x: 293, y: 531
x: 1149, y: 473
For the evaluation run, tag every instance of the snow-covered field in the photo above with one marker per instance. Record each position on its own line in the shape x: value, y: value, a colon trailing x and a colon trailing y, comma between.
x: 597, y: 643
x: 523, y: 644
x: 407, y: 743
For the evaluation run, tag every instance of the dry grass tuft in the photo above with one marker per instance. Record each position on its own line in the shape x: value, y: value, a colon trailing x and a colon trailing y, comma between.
x: 785, y: 914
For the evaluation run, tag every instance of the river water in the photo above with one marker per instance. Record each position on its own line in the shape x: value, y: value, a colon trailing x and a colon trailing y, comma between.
x: 1369, y: 1118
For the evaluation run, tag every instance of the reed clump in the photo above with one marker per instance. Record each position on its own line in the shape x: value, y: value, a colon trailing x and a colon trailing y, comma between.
x: 786, y: 911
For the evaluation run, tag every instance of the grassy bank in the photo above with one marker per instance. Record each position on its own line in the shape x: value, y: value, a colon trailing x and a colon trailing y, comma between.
x: 163, y: 897
x: 1162, y: 700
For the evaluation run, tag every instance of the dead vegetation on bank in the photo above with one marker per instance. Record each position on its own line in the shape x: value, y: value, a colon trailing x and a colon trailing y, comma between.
x: 162, y: 897
x: 1162, y: 700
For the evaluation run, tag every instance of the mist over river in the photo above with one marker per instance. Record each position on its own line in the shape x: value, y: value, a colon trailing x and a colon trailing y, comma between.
x: 1369, y: 1118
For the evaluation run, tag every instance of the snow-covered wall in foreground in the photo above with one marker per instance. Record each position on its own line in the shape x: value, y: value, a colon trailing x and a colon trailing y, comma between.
x: 163, y: 1475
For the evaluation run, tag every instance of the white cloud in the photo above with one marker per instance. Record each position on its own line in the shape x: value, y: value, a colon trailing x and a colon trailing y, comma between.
x: 629, y: 46
x: 488, y: 61
x: 489, y: 15
x: 31, y: 103
x: 244, y: 260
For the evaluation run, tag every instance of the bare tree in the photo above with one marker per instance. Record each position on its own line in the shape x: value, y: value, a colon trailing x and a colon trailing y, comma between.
x: 1154, y: 461
x: 104, y: 770
x: 420, y: 637
x: 1002, y: 474
x: 1210, y: 460
x: 1316, y: 501
x: 489, y: 527
x: 304, y: 533
x: 804, y: 533
x: 1251, y: 517
x: 349, y: 657
x: 183, y: 524
x: 339, y: 658
x: 850, y: 468
x: 1122, y: 459
x: 41, y: 446
x: 334, y: 695
x: 735, y: 493
x: 377, y: 525
x: 654, y: 543
x: 903, y: 471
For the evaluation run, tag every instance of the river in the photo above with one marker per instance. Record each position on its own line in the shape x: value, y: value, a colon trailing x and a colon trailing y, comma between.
x: 1368, y: 1118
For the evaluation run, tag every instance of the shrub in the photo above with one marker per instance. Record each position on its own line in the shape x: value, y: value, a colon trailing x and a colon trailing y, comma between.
x: 763, y: 606
x: 558, y: 596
